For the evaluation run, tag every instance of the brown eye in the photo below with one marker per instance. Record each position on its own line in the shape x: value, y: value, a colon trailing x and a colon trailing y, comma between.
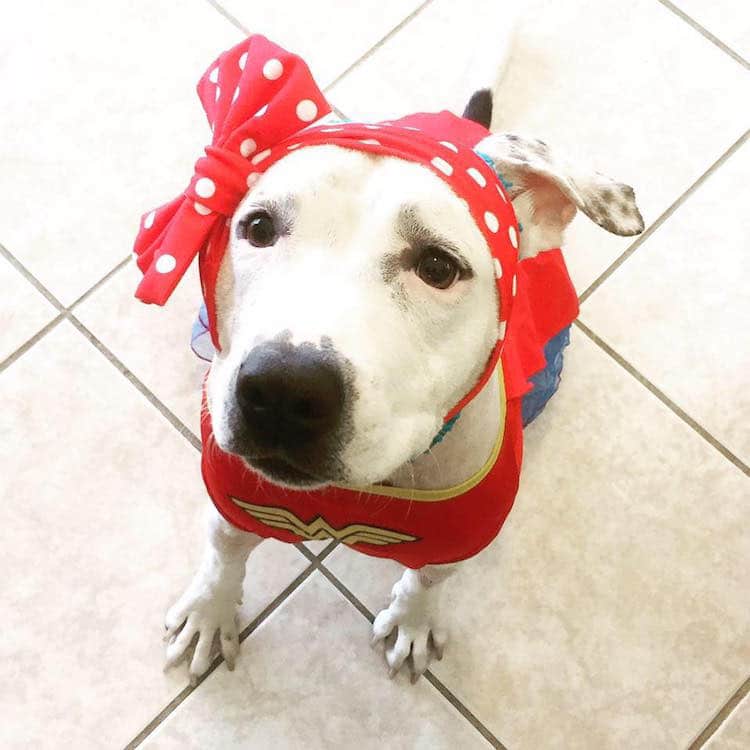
x: 437, y: 269
x: 259, y: 229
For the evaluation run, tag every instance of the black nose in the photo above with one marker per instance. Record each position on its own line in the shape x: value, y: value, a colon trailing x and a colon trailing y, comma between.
x: 289, y: 395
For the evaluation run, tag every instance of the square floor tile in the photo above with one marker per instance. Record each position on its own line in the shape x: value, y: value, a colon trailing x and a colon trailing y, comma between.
x: 328, y: 34
x: 23, y: 310
x: 102, y: 517
x: 679, y: 310
x: 153, y: 342
x: 734, y: 734
x: 100, y: 124
x: 729, y: 20
x: 628, y: 89
x: 611, y: 612
x: 306, y: 678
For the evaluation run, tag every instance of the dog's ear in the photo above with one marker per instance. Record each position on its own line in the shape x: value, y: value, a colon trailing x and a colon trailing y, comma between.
x: 546, y: 193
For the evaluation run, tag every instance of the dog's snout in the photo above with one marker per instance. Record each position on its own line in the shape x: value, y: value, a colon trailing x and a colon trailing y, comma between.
x: 289, y: 396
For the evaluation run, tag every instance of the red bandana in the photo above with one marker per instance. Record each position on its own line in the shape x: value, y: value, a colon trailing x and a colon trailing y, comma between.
x: 260, y: 101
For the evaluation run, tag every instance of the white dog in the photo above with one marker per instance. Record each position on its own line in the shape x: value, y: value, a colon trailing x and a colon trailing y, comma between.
x: 345, y: 346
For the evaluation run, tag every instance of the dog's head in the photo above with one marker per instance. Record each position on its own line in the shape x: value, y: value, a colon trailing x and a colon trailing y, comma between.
x: 356, y: 303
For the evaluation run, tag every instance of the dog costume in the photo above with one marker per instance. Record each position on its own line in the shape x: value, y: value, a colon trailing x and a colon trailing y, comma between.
x: 262, y: 103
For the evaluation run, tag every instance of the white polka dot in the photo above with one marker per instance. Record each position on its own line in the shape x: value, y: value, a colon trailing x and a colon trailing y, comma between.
x: 502, y: 193
x: 498, y: 269
x: 258, y: 158
x: 243, y: 59
x: 273, y: 69
x: 515, y: 285
x: 449, y: 145
x: 477, y: 176
x: 501, y: 329
x: 252, y: 178
x: 236, y: 94
x: 218, y: 93
x: 513, y: 236
x: 213, y: 76
x: 148, y: 222
x: 247, y: 147
x: 307, y: 110
x: 261, y: 111
x: 370, y: 141
x: 201, y: 209
x: 442, y: 165
x: 165, y: 263
x: 491, y: 221
x: 205, y: 187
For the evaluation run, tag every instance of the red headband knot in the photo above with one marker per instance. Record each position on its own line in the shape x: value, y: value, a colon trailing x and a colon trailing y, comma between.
x: 255, y: 95
x: 220, y: 181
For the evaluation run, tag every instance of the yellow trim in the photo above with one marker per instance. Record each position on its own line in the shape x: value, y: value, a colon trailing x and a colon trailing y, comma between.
x: 431, y: 496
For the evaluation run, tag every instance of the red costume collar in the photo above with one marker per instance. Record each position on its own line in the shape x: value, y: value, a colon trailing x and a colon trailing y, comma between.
x: 260, y: 101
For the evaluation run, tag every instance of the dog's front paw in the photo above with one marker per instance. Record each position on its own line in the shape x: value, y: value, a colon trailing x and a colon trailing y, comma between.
x: 416, y: 640
x: 202, y: 613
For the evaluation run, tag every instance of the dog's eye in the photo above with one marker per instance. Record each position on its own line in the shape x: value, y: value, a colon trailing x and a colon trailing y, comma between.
x: 259, y: 229
x: 437, y: 269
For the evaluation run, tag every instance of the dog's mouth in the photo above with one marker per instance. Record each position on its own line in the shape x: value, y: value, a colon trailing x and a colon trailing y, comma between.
x: 282, y: 472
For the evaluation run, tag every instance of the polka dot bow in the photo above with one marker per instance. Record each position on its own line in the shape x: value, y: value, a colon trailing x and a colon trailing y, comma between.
x: 255, y: 95
x: 260, y: 101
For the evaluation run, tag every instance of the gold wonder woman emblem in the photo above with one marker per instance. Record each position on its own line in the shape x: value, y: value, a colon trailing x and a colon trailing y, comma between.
x: 319, y: 528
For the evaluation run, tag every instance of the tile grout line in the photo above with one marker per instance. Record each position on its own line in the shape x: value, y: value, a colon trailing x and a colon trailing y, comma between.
x: 428, y: 675
x: 703, y: 31
x: 21, y: 268
x: 232, y: 19
x: 671, y: 405
x: 651, y: 229
x: 155, y: 401
x: 216, y: 5
x: 253, y: 625
x: 40, y: 334
x: 375, y: 47
x: 721, y: 716
x: 63, y: 312
x: 66, y: 313
x: 104, y: 279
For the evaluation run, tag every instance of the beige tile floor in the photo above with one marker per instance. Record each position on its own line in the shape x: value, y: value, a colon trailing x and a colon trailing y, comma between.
x: 613, y: 611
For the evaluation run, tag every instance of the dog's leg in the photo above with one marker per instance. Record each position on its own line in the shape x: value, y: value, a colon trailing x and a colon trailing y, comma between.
x: 208, y: 608
x: 412, y: 614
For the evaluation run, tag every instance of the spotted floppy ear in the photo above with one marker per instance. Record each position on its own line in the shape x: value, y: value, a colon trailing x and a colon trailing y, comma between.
x: 546, y: 193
